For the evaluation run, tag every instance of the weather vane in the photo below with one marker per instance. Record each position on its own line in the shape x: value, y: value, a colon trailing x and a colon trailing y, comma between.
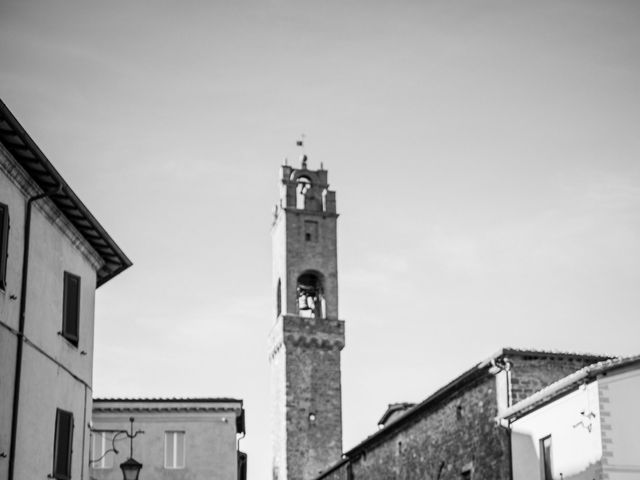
x: 300, y: 143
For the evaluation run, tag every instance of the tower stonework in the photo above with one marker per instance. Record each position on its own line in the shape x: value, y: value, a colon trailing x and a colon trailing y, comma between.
x: 307, y: 337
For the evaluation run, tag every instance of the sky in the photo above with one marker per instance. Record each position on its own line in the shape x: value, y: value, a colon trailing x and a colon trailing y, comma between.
x: 485, y: 156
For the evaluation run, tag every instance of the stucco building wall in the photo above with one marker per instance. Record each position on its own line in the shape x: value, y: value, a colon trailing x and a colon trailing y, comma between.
x: 210, y: 436
x: 619, y: 403
x: 576, y: 447
x: 55, y: 373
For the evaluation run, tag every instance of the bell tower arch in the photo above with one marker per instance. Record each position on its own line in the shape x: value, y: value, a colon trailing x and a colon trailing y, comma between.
x: 307, y: 335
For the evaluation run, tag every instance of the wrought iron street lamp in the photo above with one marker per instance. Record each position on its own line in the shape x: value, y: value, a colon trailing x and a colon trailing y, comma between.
x: 130, y: 467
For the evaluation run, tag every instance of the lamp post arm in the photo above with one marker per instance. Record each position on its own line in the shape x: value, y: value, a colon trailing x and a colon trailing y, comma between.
x: 117, y: 435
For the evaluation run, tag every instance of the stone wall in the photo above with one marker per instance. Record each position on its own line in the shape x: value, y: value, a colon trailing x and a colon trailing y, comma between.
x: 305, y: 343
x: 455, y: 436
x: 533, y: 371
x: 455, y: 430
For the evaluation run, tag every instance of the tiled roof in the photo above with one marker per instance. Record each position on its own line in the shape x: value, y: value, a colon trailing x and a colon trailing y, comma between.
x: 150, y: 405
x: 394, y: 408
x: 546, y: 353
x: 170, y: 399
x: 569, y: 383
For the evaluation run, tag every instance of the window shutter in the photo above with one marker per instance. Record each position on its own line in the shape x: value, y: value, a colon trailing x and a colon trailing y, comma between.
x: 71, y: 308
x: 63, y: 445
x: 242, y: 466
x: 4, y: 243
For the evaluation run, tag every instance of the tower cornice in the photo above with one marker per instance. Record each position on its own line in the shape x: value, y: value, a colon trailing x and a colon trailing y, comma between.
x: 297, y: 331
x: 300, y: 211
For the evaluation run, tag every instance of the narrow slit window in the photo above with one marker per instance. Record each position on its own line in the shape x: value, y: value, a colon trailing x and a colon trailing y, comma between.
x: 4, y: 244
x: 71, y: 308
x: 62, y: 446
x: 279, y: 298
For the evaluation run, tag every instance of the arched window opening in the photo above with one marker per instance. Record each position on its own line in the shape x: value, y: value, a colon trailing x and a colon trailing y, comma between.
x: 310, y: 295
x: 279, y: 299
x: 304, y: 184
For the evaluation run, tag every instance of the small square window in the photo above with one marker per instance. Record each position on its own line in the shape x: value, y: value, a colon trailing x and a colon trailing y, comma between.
x: 71, y: 308
x: 310, y: 231
x: 4, y: 244
x: 63, y: 445
x: 174, y: 450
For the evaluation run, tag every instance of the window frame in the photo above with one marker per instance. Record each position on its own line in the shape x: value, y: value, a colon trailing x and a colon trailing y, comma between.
x: 175, y: 435
x: 105, y: 461
x: 546, y: 465
x: 4, y: 244
x: 57, y: 472
x: 71, y: 336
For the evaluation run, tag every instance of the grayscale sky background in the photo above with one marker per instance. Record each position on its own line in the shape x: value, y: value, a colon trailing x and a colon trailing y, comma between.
x: 485, y: 154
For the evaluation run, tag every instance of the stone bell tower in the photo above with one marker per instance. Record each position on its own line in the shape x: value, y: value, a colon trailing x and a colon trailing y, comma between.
x: 307, y: 337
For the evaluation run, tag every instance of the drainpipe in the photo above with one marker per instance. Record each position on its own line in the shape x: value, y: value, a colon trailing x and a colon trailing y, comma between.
x: 497, y: 366
x: 20, y: 335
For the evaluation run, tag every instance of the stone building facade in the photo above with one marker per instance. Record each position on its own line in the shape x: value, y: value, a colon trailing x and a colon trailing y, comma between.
x: 53, y: 256
x: 453, y: 434
x: 307, y: 337
x: 186, y: 438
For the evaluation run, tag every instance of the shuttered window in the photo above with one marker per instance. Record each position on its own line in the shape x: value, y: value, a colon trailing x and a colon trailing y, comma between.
x: 242, y: 466
x: 71, y: 308
x: 62, y: 447
x: 4, y: 244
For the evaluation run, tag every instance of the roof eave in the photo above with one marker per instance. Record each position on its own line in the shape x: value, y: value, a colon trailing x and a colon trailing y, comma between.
x: 44, y: 174
x: 567, y: 385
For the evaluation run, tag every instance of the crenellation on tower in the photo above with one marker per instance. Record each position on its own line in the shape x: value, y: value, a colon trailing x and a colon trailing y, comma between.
x: 307, y: 337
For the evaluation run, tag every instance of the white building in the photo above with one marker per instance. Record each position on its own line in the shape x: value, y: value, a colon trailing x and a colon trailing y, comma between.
x: 53, y: 256
x: 583, y: 427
